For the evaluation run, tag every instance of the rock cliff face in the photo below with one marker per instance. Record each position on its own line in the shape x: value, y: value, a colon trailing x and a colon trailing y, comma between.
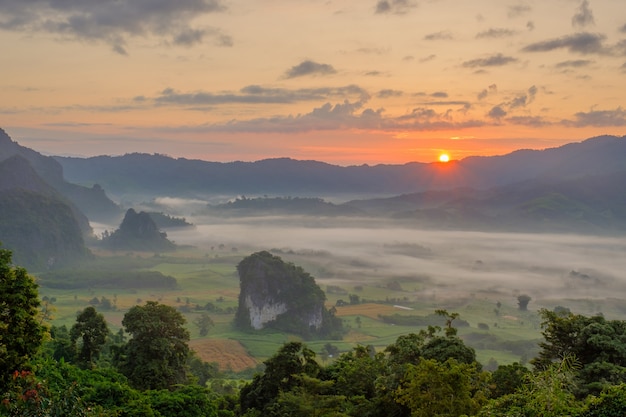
x: 282, y: 296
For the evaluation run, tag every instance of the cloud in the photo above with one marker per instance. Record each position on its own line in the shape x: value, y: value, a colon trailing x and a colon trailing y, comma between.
x: 582, y: 43
x: 255, y: 94
x: 622, y: 29
x: 309, y: 67
x: 524, y: 99
x: 599, y: 118
x: 532, y: 121
x: 577, y: 63
x: 439, y: 36
x: 439, y: 94
x: 492, y: 61
x: 113, y: 22
x: 428, y: 58
x: 584, y: 16
x: 497, y: 113
x: 344, y: 115
x: 492, y: 89
x: 374, y: 51
x: 389, y: 93
x: 518, y: 10
x: 394, y: 6
x: 530, y: 25
x: 496, y: 33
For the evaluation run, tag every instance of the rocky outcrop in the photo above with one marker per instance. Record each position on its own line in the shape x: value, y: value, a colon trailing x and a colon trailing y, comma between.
x: 282, y: 296
x: 138, y: 232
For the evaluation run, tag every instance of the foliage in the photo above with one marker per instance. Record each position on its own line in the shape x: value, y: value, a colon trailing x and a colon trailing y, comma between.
x: 30, y: 396
x: 434, y: 388
x: 610, y: 403
x: 544, y: 394
x: 507, y: 379
x: 204, y: 323
x: 599, y: 346
x: 280, y: 375
x: 156, y: 355
x: 449, y: 347
x: 522, y: 302
x: 21, y: 333
x: 163, y: 220
x: 92, y: 330
x: 42, y: 230
x: 188, y: 401
x: 60, y: 346
x: 108, y: 278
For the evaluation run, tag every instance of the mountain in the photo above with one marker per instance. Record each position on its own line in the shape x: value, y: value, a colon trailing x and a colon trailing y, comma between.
x: 592, y: 203
x: 138, y: 231
x: 93, y: 201
x: 162, y: 175
x: 40, y: 226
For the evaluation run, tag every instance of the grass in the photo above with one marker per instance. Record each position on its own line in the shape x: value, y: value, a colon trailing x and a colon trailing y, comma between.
x: 213, y: 279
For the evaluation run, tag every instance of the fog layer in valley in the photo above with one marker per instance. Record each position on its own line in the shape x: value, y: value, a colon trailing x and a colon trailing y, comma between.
x: 442, y: 264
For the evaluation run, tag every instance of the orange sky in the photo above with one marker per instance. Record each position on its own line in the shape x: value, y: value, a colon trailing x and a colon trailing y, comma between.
x: 342, y: 81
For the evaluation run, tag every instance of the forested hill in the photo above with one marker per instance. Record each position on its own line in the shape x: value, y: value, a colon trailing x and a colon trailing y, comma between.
x: 40, y: 226
x: 93, y: 201
x: 163, y: 175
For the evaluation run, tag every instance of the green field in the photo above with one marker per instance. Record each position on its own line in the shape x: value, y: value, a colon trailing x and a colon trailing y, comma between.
x: 502, y: 334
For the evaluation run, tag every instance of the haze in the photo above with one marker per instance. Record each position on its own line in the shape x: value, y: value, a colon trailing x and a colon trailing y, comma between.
x: 582, y: 272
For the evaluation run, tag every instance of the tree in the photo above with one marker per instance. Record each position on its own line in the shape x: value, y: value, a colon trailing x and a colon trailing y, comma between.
x: 449, y: 347
x: 432, y: 388
x: 92, y: 330
x: 156, y: 355
x: 507, y: 379
x: 522, y: 302
x: 281, y: 374
x: 547, y: 393
x: 597, y: 344
x: 21, y: 333
x: 204, y: 323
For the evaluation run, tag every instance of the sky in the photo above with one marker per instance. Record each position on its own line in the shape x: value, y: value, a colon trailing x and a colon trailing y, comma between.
x: 347, y: 82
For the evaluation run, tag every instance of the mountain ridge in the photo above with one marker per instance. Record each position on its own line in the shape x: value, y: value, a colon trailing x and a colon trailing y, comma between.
x: 163, y: 175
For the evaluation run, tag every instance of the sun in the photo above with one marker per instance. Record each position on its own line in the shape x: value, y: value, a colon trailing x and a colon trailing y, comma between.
x: 444, y: 157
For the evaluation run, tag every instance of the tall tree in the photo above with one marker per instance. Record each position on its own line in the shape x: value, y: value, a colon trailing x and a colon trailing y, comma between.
x: 20, y: 332
x: 433, y: 388
x: 599, y: 346
x: 156, y: 355
x: 282, y: 373
x: 92, y: 330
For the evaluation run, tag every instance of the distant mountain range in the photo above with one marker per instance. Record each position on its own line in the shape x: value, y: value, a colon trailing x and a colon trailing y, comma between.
x: 163, y: 175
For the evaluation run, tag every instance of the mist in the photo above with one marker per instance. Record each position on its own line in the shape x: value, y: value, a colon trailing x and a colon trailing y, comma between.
x: 550, y: 268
